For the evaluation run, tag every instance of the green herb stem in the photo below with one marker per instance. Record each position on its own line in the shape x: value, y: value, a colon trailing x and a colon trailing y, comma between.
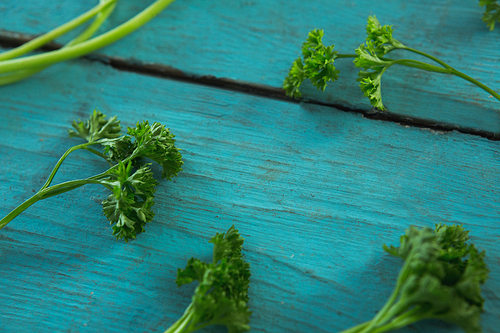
x: 183, y: 321
x: 96, y: 24
x: 381, y: 315
x: 407, y: 63
x: 456, y: 72
x: 338, y: 56
x: 61, y: 160
x: 422, y: 65
x: 51, y: 35
x: 89, y: 45
x: 44, y: 194
x: 18, y: 210
x: 477, y: 83
x: 98, y: 153
x: 399, y: 322
x: 442, y: 63
x: 356, y: 328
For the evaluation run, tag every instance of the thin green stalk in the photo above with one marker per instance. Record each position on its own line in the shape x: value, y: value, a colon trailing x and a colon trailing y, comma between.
x: 422, y: 65
x: 87, y: 46
x: 346, y: 56
x: 394, y: 311
x: 477, y: 83
x: 51, y: 35
x: 457, y: 73
x: 442, y: 63
x: 397, y: 323
x: 181, y: 322
x: 93, y: 151
x: 406, y: 62
x: 403, y: 275
x: 125, y: 161
x: 96, y: 24
x: 18, y: 210
x: 44, y: 194
x: 56, y: 167
x: 356, y: 328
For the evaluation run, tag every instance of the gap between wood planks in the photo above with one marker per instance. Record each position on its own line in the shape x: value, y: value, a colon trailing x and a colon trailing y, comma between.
x: 11, y: 39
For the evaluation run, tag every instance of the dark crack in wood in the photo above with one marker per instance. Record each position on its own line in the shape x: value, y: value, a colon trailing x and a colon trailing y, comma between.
x: 11, y: 39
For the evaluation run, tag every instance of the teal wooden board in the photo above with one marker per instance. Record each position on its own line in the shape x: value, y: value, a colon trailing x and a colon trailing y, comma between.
x: 314, y: 190
x: 256, y: 42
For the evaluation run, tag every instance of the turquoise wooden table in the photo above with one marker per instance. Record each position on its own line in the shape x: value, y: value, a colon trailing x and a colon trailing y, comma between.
x: 315, y: 186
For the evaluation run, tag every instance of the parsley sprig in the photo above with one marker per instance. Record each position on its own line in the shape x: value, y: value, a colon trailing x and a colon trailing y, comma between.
x: 129, y: 178
x: 318, y: 65
x: 441, y: 279
x: 491, y: 12
x: 222, y: 293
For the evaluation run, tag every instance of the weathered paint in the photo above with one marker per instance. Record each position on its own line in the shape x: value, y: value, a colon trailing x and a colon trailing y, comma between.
x: 314, y: 190
x: 256, y: 41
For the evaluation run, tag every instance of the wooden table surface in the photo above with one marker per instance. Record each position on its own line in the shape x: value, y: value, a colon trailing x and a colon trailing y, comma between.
x: 315, y: 187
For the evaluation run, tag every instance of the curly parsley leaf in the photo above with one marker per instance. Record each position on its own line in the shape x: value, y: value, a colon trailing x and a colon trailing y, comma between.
x: 222, y: 293
x: 96, y: 127
x: 370, y: 76
x: 129, y: 207
x: 130, y: 180
x: 441, y: 279
x: 317, y: 65
x: 491, y: 13
x: 379, y: 38
x: 119, y: 149
x: 157, y: 143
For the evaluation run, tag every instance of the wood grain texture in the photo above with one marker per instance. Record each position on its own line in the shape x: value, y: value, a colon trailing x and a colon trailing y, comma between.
x: 314, y: 190
x: 256, y: 41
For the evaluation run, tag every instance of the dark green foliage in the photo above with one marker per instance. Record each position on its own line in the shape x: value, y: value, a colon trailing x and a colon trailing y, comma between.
x: 317, y: 65
x: 441, y: 279
x: 96, y: 127
x: 130, y: 179
x: 222, y: 293
x: 491, y: 12
x: 129, y: 207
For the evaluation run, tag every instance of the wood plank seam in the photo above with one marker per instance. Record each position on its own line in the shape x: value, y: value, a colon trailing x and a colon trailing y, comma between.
x: 9, y: 39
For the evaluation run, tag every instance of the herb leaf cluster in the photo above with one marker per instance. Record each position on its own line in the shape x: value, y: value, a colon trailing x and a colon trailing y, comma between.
x: 317, y: 63
x: 441, y: 279
x: 222, y: 293
x: 129, y: 178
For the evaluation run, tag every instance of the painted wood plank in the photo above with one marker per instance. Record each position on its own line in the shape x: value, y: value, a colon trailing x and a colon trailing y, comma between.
x: 256, y: 41
x: 314, y: 190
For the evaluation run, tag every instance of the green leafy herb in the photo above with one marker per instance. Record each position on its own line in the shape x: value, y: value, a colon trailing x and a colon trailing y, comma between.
x: 441, y: 279
x: 13, y: 68
x: 318, y: 63
x: 317, y: 66
x: 130, y: 180
x: 491, y: 13
x: 222, y: 293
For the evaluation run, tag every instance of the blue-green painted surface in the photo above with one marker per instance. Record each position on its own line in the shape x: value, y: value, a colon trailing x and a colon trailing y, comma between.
x: 256, y: 41
x: 314, y: 190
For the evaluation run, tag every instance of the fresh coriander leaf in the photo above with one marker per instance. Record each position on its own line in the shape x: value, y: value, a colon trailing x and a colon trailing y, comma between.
x: 222, y: 293
x: 96, y: 127
x: 491, y: 13
x: 317, y: 66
